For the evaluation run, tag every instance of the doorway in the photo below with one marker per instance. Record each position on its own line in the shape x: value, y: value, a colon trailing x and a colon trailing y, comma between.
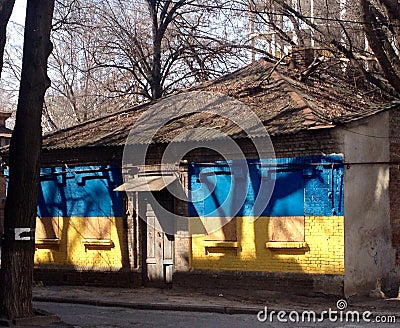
x: 158, y: 245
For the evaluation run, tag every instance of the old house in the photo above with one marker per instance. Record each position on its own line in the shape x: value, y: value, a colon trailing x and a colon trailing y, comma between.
x: 330, y: 223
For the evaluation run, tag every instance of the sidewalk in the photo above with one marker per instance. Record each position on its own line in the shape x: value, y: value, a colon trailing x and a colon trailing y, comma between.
x: 218, y: 301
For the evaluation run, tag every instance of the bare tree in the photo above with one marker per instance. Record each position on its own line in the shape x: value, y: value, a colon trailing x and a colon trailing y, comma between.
x: 356, y: 35
x: 18, y: 246
x: 166, y: 45
x: 382, y: 29
x: 80, y: 91
x: 114, y: 54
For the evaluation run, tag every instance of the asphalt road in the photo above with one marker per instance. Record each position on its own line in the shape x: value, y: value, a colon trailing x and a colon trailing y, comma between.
x: 106, y: 317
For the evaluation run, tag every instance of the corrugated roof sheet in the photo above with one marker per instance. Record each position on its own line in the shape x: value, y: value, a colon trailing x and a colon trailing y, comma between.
x: 281, y: 102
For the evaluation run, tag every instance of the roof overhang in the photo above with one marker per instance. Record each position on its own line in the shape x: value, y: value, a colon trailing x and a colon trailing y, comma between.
x: 147, y: 183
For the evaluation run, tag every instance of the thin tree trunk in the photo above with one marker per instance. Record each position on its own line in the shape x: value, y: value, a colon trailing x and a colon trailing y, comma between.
x: 21, y: 203
x: 377, y: 45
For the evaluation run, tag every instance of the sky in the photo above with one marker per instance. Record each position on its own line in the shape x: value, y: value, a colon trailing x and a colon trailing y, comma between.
x: 18, y: 15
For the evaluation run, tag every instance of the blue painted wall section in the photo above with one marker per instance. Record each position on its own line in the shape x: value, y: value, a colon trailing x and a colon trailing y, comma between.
x: 84, y: 191
x: 309, y: 186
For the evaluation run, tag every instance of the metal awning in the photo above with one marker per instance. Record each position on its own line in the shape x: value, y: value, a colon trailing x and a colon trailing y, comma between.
x: 147, y: 183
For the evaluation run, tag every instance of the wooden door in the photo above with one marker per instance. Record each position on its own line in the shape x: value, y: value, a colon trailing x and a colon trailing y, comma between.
x: 159, y: 246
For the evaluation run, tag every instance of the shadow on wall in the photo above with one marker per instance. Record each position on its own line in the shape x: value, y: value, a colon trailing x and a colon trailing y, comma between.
x: 307, y: 186
x: 300, y: 229
x: 88, y: 216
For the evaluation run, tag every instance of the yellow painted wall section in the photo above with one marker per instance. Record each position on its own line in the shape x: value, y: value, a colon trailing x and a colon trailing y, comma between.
x: 73, y: 252
x: 322, y: 252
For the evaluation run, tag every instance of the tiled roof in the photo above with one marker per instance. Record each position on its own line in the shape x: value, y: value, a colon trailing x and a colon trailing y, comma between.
x: 274, y: 94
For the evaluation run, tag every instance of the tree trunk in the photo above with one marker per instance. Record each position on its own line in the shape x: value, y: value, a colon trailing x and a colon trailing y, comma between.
x: 156, y: 86
x: 377, y: 44
x: 24, y: 161
x: 157, y: 35
x: 6, y: 7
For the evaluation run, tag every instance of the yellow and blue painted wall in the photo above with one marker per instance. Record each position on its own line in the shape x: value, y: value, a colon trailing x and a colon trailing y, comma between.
x: 79, y: 223
x: 300, y: 229
x: 297, y: 228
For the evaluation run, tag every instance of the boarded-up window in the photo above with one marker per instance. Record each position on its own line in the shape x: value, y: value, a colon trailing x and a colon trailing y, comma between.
x: 225, y: 233
x: 47, y: 228
x: 286, y: 228
x: 287, y: 198
x: 98, y: 228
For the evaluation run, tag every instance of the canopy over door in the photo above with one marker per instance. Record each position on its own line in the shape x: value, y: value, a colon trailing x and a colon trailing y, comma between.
x: 147, y: 183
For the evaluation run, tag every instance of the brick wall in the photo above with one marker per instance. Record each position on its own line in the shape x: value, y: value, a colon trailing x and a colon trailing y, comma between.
x: 315, y: 142
x: 326, y: 257
x: 318, y: 142
x: 322, y: 253
x: 295, y: 283
x: 312, y: 142
x: 301, y: 144
x: 68, y: 276
x: 73, y: 251
x: 306, y: 143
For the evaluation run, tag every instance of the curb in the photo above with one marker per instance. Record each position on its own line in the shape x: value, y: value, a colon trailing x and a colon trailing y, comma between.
x: 41, y: 318
x: 152, y: 306
x: 196, y: 308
